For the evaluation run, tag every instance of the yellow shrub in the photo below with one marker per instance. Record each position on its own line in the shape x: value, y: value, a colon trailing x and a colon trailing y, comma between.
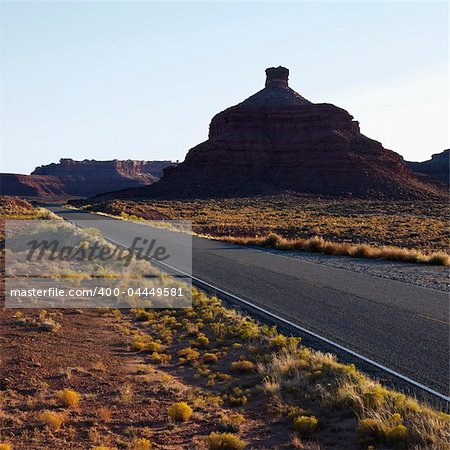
x: 140, y: 444
x: 189, y: 354
x: 396, y: 419
x: 202, y: 340
x: 278, y: 342
x: 144, y: 343
x: 374, y: 397
x: 236, y: 397
x: 243, y: 366
x: 224, y: 441
x: 294, y: 411
x: 371, y: 430
x: 398, y: 435
x: 180, y: 412
x: 5, y: 446
x: 306, y: 424
x: 231, y: 422
x: 100, y: 447
x: 210, y: 358
x: 51, y: 419
x: 138, y: 343
x: 68, y: 398
x: 153, y: 346
x: 160, y: 358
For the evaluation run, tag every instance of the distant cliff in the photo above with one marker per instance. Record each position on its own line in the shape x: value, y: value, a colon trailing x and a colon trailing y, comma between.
x: 437, y: 168
x: 31, y: 185
x: 83, y: 178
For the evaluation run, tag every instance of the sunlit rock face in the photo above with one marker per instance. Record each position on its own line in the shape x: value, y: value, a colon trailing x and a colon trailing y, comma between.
x: 276, y: 140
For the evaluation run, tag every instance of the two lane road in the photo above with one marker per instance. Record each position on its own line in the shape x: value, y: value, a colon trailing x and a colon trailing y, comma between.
x: 404, y: 327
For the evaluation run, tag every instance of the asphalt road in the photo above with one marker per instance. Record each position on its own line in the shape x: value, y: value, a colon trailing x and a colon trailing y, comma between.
x: 401, y: 326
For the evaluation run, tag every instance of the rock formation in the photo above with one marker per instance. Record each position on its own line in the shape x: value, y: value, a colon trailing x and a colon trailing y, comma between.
x: 31, y: 185
x: 83, y: 178
x: 277, y: 141
x: 436, y: 169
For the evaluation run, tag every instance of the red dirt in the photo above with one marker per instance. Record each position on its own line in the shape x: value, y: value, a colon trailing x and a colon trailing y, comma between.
x: 87, y: 354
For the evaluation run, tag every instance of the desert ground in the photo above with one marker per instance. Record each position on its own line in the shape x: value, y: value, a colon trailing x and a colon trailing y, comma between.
x: 203, y: 377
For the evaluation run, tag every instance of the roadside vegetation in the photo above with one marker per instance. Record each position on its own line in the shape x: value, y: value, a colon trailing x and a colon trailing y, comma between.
x: 394, y: 230
x: 141, y: 378
x: 320, y: 245
x: 205, y: 377
x: 311, y: 393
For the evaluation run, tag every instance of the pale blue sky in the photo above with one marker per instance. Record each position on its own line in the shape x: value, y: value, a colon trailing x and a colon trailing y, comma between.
x: 143, y: 80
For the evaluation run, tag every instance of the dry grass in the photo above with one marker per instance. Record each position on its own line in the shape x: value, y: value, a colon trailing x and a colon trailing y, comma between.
x: 398, y: 230
x: 319, y: 245
x: 385, y: 416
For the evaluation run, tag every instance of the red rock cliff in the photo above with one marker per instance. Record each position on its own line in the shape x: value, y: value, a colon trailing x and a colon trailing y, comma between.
x: 83, y: 178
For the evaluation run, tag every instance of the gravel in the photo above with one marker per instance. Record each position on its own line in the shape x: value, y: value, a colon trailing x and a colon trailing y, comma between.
x: 432, y: 277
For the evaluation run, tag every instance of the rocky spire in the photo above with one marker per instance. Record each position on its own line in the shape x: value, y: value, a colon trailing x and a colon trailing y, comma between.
x: 277, y: 77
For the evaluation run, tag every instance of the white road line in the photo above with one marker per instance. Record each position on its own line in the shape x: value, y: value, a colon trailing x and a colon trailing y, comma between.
x: 300, y: 328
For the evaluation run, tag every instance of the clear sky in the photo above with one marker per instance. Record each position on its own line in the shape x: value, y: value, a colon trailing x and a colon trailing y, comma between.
x: 142, y: 80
